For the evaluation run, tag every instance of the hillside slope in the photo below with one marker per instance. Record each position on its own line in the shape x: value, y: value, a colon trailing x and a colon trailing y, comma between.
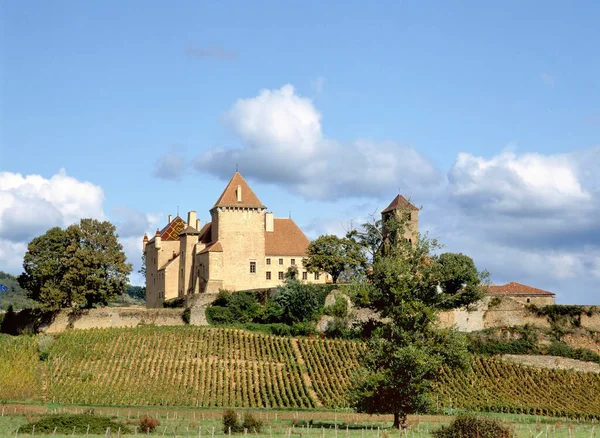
x: 191, y: 366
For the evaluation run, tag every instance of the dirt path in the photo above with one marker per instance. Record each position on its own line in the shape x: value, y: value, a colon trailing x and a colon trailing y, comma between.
x: 305, y: 375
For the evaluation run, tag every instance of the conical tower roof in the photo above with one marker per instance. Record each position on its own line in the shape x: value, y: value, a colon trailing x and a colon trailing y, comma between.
x: 399, y: 202
x: 229, y: 196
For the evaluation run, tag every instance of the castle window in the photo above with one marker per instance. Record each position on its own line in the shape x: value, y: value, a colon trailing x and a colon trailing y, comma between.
x: 281, y: 275
x: 268, y: 275
x: 253, y: 267
x: 281, y: 261
x: 316, y: 275
x: 268, y: 261
x: 293, y: 261
x: 528, y: 300
x: 305, y: 276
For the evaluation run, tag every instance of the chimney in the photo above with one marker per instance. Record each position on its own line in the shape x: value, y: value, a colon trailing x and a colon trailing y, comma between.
x: 198, y: 223
x: 192, y: 218
x: 157, y: 239
x: 170, y: 218
x: 145, y: 243
x: 269, y: 222
x: 239, y: 193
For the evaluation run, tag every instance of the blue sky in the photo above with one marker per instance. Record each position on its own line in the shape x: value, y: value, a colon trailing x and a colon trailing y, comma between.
x: 487, y: 115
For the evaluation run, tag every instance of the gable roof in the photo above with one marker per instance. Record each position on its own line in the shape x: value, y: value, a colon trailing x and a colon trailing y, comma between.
x: 190, y: 230
x: 399, y: 202
x: 286, y: 239
x: 205, y: 233
x: 229, y: 196
x: 214, y: 247
x: 514, y: 288
x: 171, y: 231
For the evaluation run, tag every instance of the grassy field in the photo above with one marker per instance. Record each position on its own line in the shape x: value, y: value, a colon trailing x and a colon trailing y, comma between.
x: 210, y: 367
x: 314, y: 424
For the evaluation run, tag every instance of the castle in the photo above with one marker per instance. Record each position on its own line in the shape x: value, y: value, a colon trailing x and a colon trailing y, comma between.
x: 243, y: 247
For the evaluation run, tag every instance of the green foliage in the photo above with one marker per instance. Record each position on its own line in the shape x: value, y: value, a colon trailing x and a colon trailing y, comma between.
x: 299, y: 302
x: 137, y: 292
x: 186, y: 315
x: 469, y: 426
x: 81, y: 266
x: 16, y: 295
x: 409, y: 285
x: 174, y: 303
x: 45, y: 343
x: 338, y: 309
x: 516, y: 340
x: 9, y: 324
x: 251, y: 423
x: 558, y: 348
x: 67, y: 423
x: 562, y: 317
x: 335, y: 255
x: 231, y: 423
x: 233, y: 308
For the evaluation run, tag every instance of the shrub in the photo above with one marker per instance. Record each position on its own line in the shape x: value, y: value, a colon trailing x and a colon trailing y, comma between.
x: 44, y: 344
x: 66, y: 423
x: 468, y: 426
x: 230, y: 421
x: 251, y: 423
x: 174, y: 303
x: 186, y: 315
x: 338, y: 309
x: 148, y: 423
x: 233, y: 308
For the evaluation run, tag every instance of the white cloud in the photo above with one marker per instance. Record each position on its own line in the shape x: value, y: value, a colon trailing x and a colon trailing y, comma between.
x: 284, y: 143
x: 521, y: 185
x: 31, y: 204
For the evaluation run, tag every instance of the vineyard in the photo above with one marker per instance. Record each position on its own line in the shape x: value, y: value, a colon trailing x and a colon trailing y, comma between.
x: 209, y: 367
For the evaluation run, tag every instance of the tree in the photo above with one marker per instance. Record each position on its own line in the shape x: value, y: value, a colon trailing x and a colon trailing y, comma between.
x: 77, y: 267
x: 408, y: 286
x: 334, y: 255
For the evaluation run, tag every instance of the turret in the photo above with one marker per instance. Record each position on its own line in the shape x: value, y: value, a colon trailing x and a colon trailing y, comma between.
x: 157, y: 240
x: 145, y: 243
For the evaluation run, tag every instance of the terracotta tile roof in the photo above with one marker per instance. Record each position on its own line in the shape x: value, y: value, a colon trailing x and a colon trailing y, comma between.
x: 286, y: 239
x: 514, y: 288
x: 171, y: 231
x: 205, y: 233
x: 399, y: 202
x: 229, y: 195
x: 215, y: 247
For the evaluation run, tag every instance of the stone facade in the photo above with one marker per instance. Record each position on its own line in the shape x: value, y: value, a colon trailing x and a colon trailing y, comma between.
x: 243, y: 247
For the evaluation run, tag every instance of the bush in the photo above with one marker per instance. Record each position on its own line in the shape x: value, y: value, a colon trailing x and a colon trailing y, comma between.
x: 469, y: 426
x: 174, y: 303
x: 230, y: 422
x: 339, y: 309
x: 233, y: 308
x: 252, y: 424
x: 66, y: 423
x: 44, y: 344
x: 148, y: 423
x: 186, y: 315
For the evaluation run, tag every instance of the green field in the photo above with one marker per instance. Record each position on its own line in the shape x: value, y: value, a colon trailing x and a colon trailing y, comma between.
x: 212, y: 368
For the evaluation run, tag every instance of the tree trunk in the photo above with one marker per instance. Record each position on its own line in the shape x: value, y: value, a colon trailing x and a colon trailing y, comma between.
x: 400, y: 420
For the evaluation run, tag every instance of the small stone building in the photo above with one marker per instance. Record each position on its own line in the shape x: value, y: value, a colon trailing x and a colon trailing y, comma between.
x: 523, y: 293
x: 242, y: 247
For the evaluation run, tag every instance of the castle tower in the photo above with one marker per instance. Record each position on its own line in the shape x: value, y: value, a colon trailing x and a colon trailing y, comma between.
x: 404, y: 211
x: 238, y: 224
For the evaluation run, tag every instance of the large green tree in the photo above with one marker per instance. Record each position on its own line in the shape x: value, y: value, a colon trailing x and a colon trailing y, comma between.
x: 334, y: 255
x: 77, y: 267
x: 408, y: 286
